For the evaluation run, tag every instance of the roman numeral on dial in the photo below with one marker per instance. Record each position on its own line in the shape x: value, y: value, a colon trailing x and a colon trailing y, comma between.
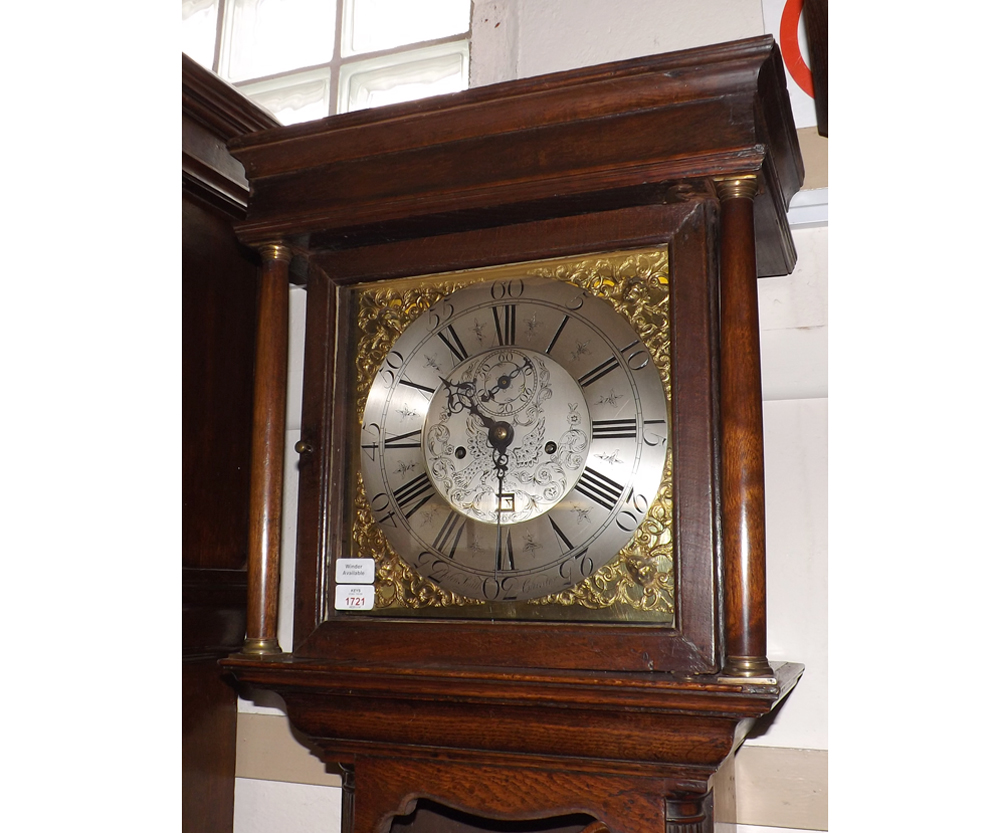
x: 400, y: 440
x: 505, y: 549
x: 413, y: 494
x: 601, y: 489
x: 598, y: 372
x: 562, y: 535
x: 505, y: 319
x: 450, y: 533
x: 454, y: 343
x: 613, y: 429
x: 422, y: 388
x: 555, y: 338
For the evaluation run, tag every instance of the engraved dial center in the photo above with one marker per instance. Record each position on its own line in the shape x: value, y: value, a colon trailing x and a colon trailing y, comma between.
x: 524, y: 425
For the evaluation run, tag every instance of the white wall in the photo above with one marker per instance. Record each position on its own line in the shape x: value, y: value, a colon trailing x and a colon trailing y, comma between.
x: 277, y: 807
x: 522, y: 38
x: 794, y: 375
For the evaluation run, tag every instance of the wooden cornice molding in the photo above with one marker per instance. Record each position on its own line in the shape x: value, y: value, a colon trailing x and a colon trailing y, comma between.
x: 219, y: 106
x: 213, y: 113
x: 606, y: 136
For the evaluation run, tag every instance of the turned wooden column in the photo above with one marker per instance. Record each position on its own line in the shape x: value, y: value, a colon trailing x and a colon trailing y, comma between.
x: 267, y: 453
x: 346, y: 798
x: 689, y: 813
x: 742, y: 436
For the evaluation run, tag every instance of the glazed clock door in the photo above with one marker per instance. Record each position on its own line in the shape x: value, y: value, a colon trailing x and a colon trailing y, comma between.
x: 528, y: 444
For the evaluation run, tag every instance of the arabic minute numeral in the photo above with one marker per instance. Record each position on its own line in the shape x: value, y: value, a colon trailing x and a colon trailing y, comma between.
x: 432, y: 567
x: 372, y: 447
x: 637, y: 359
x: 492, y: 589
x: 440, y: 313
x: 653, y: 439
x: 390, y: 367
x: 507, y: 289
x: 628, y: 520
x: 578, y: 567
x: 380, y: 505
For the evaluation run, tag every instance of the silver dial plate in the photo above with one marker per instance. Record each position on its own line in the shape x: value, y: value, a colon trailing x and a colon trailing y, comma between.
x: 513, y: 439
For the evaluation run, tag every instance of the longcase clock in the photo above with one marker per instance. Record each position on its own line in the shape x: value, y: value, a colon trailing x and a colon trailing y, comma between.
x: 530, y: 567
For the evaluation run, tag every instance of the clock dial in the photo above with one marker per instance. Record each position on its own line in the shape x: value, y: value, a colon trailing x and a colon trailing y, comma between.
x: 513, y: 439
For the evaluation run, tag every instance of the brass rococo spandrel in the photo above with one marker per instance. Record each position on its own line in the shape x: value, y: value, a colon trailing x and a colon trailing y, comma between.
x: 638, y: 584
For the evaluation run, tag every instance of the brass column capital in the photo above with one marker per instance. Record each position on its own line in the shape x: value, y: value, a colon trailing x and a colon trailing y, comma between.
x: 276, y: 251
x: 736, y: 187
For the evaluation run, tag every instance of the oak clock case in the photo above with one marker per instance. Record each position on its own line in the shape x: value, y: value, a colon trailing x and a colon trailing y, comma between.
x: 620, y: 695
x: 510, y: 442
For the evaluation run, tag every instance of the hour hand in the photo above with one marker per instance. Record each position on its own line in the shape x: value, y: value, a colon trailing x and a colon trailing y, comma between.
x: 462, y: 397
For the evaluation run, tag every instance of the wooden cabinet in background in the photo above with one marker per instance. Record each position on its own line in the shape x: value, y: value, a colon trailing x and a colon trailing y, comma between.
x: 219, y: 288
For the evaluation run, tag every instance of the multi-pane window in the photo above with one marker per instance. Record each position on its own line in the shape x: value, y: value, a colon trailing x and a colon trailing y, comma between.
x: 306, y: 59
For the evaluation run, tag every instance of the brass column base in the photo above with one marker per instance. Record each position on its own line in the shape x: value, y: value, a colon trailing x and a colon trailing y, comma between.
x: 260, y: 647
x: 747, y: 667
